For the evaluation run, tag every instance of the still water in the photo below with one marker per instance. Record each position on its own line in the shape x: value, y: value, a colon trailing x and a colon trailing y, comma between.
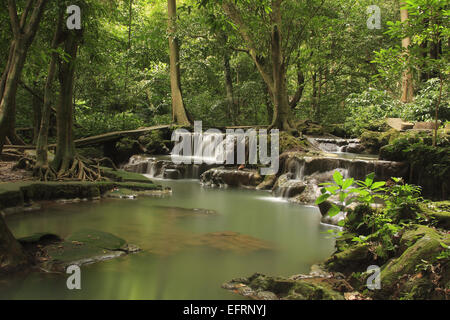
x: 186, y: 254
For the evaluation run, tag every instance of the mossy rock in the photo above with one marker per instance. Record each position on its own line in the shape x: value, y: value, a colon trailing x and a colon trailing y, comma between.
x: 309, y: 288
x: 310, y: 127
x: 125, y: 176
x: 373, y: 141
x: 314, y: 289
x: 83, y: 247
x: 98, y: 239
x: 354, y: 258
x: 438, y: 211
x: 424, y: 244
x: 290, y: 143
x: 17, y: 193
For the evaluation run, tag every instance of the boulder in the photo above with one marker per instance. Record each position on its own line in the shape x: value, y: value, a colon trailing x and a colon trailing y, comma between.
x: 429, y: 125
x: 309, y: 287
x: 219, y: 177
x: 399, y: 124
x: 422, y: 244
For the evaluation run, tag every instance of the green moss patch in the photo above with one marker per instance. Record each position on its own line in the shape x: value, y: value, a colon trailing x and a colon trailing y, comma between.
x: 83, y: 247
x: 18, y: 193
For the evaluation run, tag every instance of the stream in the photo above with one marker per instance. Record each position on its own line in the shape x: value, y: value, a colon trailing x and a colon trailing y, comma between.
x: 186, y: 254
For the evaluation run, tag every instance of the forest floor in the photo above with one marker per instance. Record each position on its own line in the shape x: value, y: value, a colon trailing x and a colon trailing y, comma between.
x: 7, y: 174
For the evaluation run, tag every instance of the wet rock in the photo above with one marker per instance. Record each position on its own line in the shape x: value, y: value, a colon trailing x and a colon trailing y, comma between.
x: 355, y: 258
x: 268, y: 183
x: 423, y: 244
x: 187, y: 212
x: 438, y: 211
x: 220, y: 177
x: 173, y: 174
x: 307, y: 288
x: 286, y: 187
x: 82, y: 247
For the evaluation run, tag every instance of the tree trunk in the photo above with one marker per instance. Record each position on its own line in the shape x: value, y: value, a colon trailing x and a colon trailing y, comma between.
x: 231, y: 103
x: 407, y: 80
x: 42, y: 139
x: 36, y: 104
x: 276, y: 79
x: 24, y: 31
x: 65, y: 147
x: 12, y: 255
x: 282, y: 116
x: 179, y: 115
x: 268, y: 100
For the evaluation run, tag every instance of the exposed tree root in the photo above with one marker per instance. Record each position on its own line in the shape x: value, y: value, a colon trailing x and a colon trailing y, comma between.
x: 44, y: 173
x: 106, y: 162
x: 81, y: 170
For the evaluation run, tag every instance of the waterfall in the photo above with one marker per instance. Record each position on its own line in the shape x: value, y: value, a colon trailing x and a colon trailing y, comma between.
x: 338, y: 145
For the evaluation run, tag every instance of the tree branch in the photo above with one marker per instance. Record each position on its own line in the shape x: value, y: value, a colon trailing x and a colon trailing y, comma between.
x: 12, y: 9
x: 23, y: 18
x: 232, y: 12
x: 32, y: 25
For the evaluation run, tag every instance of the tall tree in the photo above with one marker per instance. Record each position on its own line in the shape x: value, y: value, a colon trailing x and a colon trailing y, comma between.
x: 42, y: 169
x: 273, y: 61
x: 24, y: 31
x: 179, y: 114
x: 407, y: 79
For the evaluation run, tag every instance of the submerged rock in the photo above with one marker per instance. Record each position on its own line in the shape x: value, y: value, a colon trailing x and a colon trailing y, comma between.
x: 83, y: 247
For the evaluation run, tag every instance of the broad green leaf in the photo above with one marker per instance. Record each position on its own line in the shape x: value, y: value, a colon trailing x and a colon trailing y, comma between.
x: 332, y: 189
x: 322, y: 198
x: 347, y: 183
x: 378, y: 184
x: 342, y: 196
x: 337, y: 176
x: 369, y: 179
x: 334, y: 210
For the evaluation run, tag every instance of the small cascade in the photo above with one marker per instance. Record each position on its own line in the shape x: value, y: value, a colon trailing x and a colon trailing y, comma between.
x: 304, y: 168
x: 163, y: 168
x: 303, y: 175
x: 206, y: 147
x: 338, y: 145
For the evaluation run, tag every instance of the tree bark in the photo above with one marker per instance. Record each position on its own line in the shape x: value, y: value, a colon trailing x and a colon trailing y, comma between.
x: 276, y: 79
x: 231, y: 103
x: 24, y: 32
x: 42, y: 139
x: 179, y: 114
x: 36, y: 104
x: 12, y: 255
x: 65, y: 147
x: 407, y: 79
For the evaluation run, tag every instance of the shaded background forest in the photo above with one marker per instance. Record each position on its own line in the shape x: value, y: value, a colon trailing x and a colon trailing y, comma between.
x: 340, y: 71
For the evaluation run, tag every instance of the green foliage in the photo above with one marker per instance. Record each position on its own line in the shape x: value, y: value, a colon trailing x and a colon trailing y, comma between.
x: 98, y: 123
x: 417, y: 150
x: 375, y: 226
x: 424, y: 104
x: 366, y: 111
